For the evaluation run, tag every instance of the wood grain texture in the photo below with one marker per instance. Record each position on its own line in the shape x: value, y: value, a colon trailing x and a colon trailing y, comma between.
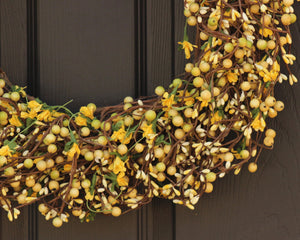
x: 159, y: 72
x: 179, y: 22
x: 86, y: 51
x: 104, y: 227
x: 13, y: 60
x: 264, y: 205
x: 159, y: 44
x: 13, y: 40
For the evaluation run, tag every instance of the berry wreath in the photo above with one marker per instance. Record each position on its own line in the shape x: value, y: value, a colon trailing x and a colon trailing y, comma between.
x: 115, y: 159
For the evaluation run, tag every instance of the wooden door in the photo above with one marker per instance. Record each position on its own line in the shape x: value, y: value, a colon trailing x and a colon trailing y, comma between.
x: 101, y: 51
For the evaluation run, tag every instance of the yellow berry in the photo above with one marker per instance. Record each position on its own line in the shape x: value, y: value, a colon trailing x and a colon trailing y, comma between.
x: 41, y: 165
x: 194, y: 7
x: 189, y: 67
x: 270, y: 101
x: 252, y: 167
x: 279, y: 106
x: 245, y: 86
x: 159, y: 153
x: 204, y: 67
x: 244, y: 154
x: 205, y: 95
x: 268, y: 141
x: 271, y: 44
x: 272, y: 113
x: 228, y: 157
x: 239, y: 53
x: 177, y: 121
x: 203, y: 36
x: 192, y: 21
x: 139, y: 147
x: 271, y: 133
x: 150, y: 115
x: 161, y: 167
x: 254, y: 103
x: 211, y: 177
x: 179, y: 133
x: 227, y: 63
x: 195, y: 72
x: 171, y: 170
x: 57, y: 222
x: 286, y: 19
x: 122, y: 149
x: 209, y: 187
x: 161, y: 177
x: 116, y: 211
x: 198, y: 82
x: 159, y: 90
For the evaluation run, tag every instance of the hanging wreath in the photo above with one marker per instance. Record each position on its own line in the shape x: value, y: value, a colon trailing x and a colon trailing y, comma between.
x: 115, y: 159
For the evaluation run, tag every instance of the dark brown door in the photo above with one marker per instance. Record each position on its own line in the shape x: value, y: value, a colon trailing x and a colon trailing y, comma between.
x: 101, y: 51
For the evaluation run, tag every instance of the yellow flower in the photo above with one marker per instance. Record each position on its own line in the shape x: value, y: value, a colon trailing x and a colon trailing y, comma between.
x: 74, y: 150
x: 7, y: 105
x: 216, y: 118
x: 167, y: 101
x: 117, y: 166
x: 266, y: 32
x: 34, y: 105
x: 5, y: 151
x: 258, y: 123
x: 232, y: 77
x: 56, y: 114
x: 120, y: 135
x: 148, y: 131
x: 80, y: 121
x: 67, y: 167
x: 122, y: 180
x: 188, y: 99
x: 15, y: 121
x: 45, y: 116
x: 188, y: 48
x: 88, y: 195
x: 204, y: 103
x: 87, y: 112
x: 32, y: 114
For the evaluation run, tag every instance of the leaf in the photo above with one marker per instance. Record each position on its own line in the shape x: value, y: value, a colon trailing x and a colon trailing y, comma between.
x: 117, y: 125
x: 113, y: 178
x: 210, y: 40
x: 185, y: 36
x: 11, y: 144
x: 72, y: 136
x: 181, y: 108
x: 267, y: 84
x: 123, y: 158
x: 155, y: 120
x: 221, y: 113
x: 204, y: 46
x: 68, y: 146
x: 29, y: 123
x: 93, y: 184
x: 174, y: 90
x: 130, y: 130
x: 159, y: 139
x: 38, y: 100
x: 255, y: 112
x: 29, y: 192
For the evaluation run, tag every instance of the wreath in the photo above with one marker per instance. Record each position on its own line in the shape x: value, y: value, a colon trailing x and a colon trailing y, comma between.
x: 114, y: 159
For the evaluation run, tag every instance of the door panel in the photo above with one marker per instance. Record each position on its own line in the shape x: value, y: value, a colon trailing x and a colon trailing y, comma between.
x: 101, y: 51
x: 86, y: 51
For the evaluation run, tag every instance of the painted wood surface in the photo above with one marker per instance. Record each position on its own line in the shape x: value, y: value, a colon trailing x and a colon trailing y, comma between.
x: 101, y: 51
